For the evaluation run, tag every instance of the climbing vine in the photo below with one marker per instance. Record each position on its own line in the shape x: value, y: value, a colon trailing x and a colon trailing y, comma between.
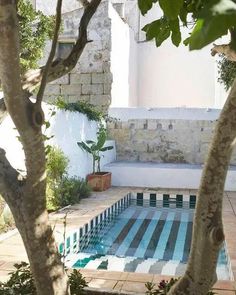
x: 35, y: 29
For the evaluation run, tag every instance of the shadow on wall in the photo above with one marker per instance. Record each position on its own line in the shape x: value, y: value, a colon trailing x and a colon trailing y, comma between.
x: 67, y: 128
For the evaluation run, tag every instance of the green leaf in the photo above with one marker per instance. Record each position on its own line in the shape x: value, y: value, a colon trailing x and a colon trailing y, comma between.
x: 101, y: 139
x: 90, y: 141
x: 186, y: 41
x: 145, y: 5
x: 216, y: 18
x: 183, y: 15
x: 84, y: 147
x: 171, y: 8
x: 47, y: 124
x: 176, y: 34
x: 152, y: 29
x: 106, y: 148
x: 159, y: 30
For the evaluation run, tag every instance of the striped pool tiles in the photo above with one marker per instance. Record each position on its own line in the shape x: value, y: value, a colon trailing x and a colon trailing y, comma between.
x: 146, y: 240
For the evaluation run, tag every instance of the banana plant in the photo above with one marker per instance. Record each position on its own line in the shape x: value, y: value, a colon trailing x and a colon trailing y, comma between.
x: 95, y: 147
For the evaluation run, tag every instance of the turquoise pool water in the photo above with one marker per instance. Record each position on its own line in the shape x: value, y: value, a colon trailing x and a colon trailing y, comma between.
x: 142, y: 238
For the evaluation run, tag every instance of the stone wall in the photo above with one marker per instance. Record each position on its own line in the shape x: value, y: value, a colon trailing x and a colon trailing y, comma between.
x: 91, y: 79
x: 163, y: 140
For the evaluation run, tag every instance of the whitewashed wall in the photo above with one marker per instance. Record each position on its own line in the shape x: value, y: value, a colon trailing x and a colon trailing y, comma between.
x: 123, y: 62
x: 174, y: 77
x: 67, y: 128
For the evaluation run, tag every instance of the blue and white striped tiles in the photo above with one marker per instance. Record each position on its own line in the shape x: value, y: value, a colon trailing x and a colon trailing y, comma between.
x: 147, y: 233
x: 79, y: 239
x: 138, y: 265
x: 146, y: 240
x: 163, y: 200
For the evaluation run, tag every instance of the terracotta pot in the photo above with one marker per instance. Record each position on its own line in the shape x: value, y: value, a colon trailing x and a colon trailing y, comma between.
x: 99, y: 181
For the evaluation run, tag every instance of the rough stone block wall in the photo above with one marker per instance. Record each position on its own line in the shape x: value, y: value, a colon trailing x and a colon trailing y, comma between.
x: 91, y: 79
x: 163, y: 141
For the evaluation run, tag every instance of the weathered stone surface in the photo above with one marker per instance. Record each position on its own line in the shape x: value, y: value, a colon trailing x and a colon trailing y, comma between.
x: 107, y: 88
x: 163, y: 141
x: 80, y: 78
x: 101, y: 78
x: 92, y: 89
x: 73, y: 89
x: 91, y: 78
x: 52, y: 89
x: 62, y: 80
x: 100, y: 100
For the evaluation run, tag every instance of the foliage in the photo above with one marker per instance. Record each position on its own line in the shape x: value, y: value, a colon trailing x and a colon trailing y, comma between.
x: 21, y: 282
x: 46, y: 126
x: 94, y: 148
x: 61, y: 189
x: 226, y: 72
x: 69, y: 191
x: 35, y: 29
x: 163, y: 287
x: 77, y: 282
x: 206, y: 20
x: 83, y: 107
x: 57, y: 164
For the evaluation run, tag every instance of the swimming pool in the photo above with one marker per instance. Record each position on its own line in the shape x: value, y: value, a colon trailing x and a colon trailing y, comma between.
x: 142, y: 235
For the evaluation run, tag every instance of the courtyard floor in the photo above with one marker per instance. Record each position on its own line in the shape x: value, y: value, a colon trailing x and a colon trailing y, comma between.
x: 12, y: 249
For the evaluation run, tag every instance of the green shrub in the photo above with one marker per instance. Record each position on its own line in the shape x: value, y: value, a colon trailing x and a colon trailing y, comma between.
x: 69, y: 191
x: 21, y: 282
x: 62, y: 190
x: 57, y: 164
x: 163, y: 287
x: 77, y: 282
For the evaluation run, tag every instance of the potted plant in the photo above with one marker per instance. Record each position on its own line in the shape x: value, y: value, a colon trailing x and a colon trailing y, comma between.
x: 99, y: 181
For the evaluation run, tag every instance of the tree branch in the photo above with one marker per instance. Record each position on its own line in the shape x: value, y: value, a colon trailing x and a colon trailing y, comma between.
x: 225, y: 49
x: 9, y: 177
x: 52, y: 53
x: 3, y: 110
x: 60, y: 67
x: 84, y: 2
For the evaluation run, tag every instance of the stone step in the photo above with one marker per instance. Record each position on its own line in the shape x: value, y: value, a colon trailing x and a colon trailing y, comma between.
x: 159, y: 175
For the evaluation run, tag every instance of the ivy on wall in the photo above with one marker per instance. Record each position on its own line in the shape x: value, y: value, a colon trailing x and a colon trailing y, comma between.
x: 226, y: 72
x: 83, y: 107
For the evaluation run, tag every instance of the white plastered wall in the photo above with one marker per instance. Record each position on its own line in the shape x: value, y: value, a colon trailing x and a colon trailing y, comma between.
x: 123, y: 62
x: 174, y: 77
x: 68, y: 128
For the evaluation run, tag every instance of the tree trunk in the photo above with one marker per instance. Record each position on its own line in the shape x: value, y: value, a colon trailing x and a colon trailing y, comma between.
x: 208, y: 234
x: 36, y: 232
x: 26, y: 197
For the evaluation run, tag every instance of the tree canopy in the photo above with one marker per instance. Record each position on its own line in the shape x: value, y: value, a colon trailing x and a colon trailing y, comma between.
x: 206, y: 21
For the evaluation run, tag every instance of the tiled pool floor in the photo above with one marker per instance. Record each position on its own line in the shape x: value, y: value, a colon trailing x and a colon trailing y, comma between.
x: 12, y: 250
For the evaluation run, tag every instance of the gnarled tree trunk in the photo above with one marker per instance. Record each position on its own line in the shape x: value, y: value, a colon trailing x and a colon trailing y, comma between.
x: 208, y: 234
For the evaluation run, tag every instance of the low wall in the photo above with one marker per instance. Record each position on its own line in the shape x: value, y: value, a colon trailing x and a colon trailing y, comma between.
x: 68, y: 128
x: 164, y: 135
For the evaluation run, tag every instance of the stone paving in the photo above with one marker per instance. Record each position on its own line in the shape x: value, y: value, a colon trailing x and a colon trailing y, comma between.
x: 12, y: 249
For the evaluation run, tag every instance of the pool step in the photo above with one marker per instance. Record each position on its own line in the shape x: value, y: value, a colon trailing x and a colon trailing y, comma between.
x: 153, y: 175
x: 139, y: 265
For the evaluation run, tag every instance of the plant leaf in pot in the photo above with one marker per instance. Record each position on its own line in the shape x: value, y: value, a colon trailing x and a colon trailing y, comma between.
x: 99, y: 181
